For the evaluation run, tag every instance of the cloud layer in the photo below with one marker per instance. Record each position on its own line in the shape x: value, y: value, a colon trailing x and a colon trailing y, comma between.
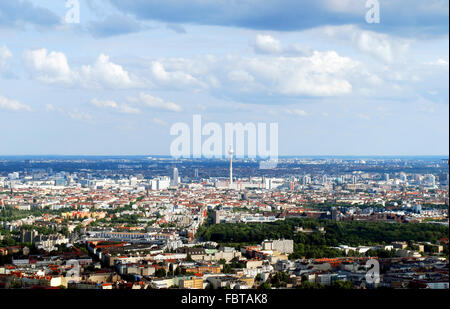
x: 321, y: 74
x: 19, y: 13
x: 292, y: 15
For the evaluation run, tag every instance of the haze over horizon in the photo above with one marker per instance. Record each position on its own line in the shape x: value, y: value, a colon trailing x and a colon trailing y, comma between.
x: 442, y: 157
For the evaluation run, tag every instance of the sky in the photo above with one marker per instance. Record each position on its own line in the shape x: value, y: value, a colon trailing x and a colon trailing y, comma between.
x: 115, y: 83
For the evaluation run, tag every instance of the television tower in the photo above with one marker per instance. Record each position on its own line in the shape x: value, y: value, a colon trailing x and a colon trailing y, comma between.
x: 231, y: 152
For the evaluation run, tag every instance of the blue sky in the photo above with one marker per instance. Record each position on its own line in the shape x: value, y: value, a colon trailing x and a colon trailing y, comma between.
x: 116, y: 82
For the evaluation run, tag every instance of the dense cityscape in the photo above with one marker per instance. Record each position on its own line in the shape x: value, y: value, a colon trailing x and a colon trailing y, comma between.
x: 161, y: 223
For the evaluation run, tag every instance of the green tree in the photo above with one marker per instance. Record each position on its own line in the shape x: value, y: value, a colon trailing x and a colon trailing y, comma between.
x: 264, y: 286
x: 161, y: 273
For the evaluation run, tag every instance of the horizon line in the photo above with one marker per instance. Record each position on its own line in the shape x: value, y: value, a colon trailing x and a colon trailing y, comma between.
x: 446, y: 156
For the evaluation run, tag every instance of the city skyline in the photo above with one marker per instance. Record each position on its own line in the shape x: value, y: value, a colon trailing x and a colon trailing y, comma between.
x: 116, y: 82
x: 226, y: 157
x: 146, y: 224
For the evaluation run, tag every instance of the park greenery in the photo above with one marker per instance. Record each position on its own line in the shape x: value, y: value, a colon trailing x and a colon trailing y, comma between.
x: 317, y: 244
x: 9, y: 213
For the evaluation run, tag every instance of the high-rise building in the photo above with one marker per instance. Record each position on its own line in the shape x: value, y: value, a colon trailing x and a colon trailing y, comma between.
x: 334, y: 214
x: 430, y: 180
x: 161, y: 183
x: 28, y: 236
x: 175, y: 177
x: 216, y: 216
x: 403, y: 177
x: 13, y: 176
x: 306, y: 180
x: 417, y: 208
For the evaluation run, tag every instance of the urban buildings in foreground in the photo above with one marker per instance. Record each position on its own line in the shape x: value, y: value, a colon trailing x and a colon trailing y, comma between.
x: 155, y: 223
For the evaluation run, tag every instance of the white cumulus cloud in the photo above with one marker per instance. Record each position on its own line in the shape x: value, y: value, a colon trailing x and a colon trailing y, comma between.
x: 159, y: 103
x: 296, y: 112
x: 13, y: 105
x: 81, y: 116
x: 160, y: 122
x: 380, y: 46
x: 174, y: 78
x: 383, y: 47
x: 267, y: 44
x: 318, y: 74
x: 48, y: 67
x: 53, y: 68
x: 121, y: 108
x: 106, y: 73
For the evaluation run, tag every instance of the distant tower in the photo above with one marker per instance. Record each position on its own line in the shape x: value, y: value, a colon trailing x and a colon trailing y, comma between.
x: 231, y: 152
x: 216, y: 216
x: 430, y: 179
x: 334, y: 214
x: 175, y: 177
x: 403, y: 177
